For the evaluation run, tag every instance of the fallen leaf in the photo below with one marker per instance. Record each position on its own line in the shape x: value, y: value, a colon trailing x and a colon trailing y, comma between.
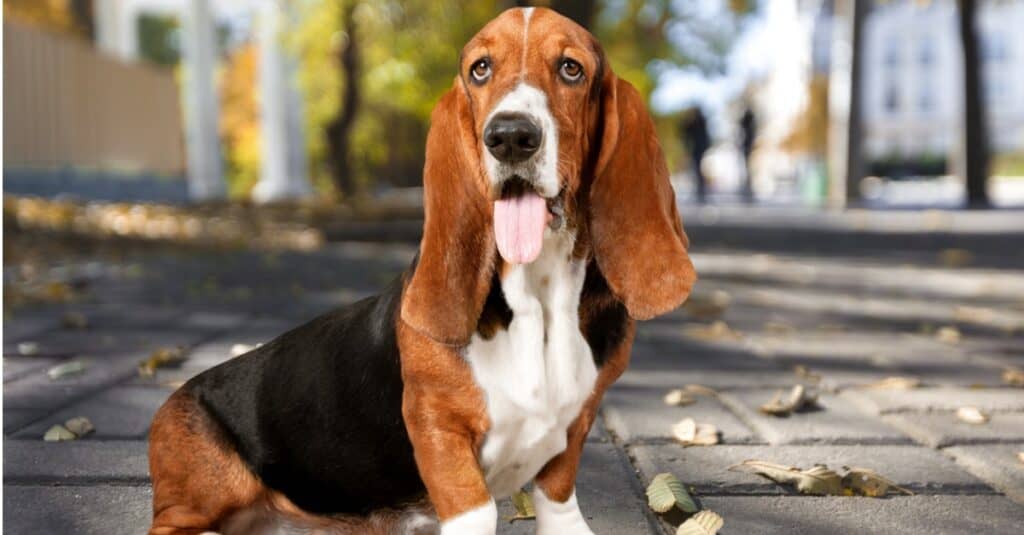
x: 690, y: 433
x: 707, y: 306
x: 80, y: 426
x: 59, y: 433
x: 666, y: 491
x: 703, y: 523
x: 894, y: 383
x: 778, y: 328
x: 948, y: 335
x: 865, y: 482
x: 971, y: 415
x: 1020, y: 456
x: 1013, y: 376
x: 28, y: 348
x: 700, y: 390
x: 74, y: 320
x: 955, y: 258
x: 241, y: 349
x: 678, y: 397
x: 804, y: 372
x: 717, y: 330
x: 66, y: 369
x: 800, y: 397
x: 815, y: 480
x: 523, y: 504
x: 164, y: 357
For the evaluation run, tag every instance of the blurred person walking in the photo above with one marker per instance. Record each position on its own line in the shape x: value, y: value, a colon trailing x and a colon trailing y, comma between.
x: 748, y: 133
x: 697, y: 140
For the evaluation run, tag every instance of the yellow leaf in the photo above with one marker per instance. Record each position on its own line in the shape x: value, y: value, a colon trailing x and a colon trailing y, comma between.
x: 971, y: 415
x: 523, y: 505
x: 678, y: 398
x: 59, y: 433
x: 865, y: 482
x: 1013, y: 376
x: 799, y: 398
x: 703, y: 523
x: 894, y: 383
x: 690, y: 433
x: 666, y: 491
x: 161, y: 358
x: 948, y: 335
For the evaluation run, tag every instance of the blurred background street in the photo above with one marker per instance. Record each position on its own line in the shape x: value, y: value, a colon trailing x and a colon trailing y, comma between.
x: 184, y: 179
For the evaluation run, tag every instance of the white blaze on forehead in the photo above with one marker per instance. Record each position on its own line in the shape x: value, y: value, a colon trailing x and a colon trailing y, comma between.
x: 541, y: 169
x: 527, y: 12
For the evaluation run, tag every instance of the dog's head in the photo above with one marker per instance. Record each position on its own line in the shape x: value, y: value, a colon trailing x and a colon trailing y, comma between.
x: 536, y: 135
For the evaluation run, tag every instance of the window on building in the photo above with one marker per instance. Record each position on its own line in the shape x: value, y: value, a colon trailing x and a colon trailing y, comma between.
x: 994, y: 47
x: 926, y: 52
x: 892, y: 53
x: 892, y: 99
x: 925, y: 98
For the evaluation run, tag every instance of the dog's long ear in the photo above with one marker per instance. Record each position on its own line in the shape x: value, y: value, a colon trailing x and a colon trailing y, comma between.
x: 638, y: 238
x: 445, y: 295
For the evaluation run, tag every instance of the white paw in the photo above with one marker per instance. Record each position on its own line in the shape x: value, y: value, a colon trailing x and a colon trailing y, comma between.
x: 555, y: 518
x: 480, y: 521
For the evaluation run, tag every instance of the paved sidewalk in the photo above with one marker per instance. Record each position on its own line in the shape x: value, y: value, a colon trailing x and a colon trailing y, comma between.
x: 852, y: 320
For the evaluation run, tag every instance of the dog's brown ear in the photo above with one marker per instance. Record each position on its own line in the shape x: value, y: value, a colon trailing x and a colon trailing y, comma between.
x: 638, y: 238
x: 445, y: 295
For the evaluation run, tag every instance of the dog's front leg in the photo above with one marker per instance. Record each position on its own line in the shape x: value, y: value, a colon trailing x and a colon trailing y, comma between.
x: 554, y: 491
x: 445, y: 416
x: 446, y: 455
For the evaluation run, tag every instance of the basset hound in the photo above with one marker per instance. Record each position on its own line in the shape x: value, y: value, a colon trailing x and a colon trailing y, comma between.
x: 550, y: 226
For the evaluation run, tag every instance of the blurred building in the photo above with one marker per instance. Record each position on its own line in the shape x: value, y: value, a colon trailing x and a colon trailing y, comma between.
x: 913, y: 90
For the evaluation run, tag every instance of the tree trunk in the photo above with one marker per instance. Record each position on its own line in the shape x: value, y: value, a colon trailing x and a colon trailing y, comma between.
x: 340, y: 129
x: 581, y: 11
x: 81, y: 11
x: 975, y: 134
x: 855, y: 130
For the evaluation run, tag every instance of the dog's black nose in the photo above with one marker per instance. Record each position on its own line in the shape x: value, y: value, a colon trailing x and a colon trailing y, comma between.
x: 512, y: 137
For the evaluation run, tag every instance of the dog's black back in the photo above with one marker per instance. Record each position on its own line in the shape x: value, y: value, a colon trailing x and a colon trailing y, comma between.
x: 317, y: 413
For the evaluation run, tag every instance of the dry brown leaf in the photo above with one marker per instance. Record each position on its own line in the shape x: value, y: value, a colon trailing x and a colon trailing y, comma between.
x: 707, y: 306
x: 689, y: 433
x: 703, y: 523
x: 971, y: 415
x: 66, y: 369
x: 523, y: 505
x: 800, y: 397
x: 895, y: 382
x: 28, y: 349
x: 80, y: 426
x: 59, y: 433
x: 804, y: 372
x: 954, y: 258
x: 1013, y: 376
x: 678, y: 397
x: 865, y: 482
x: 948, y: 335
x: 700, y: 390
x: 161, y: 358
x: 74, y: 320
x: 666, y: 492
x: 815, y: 480
x: 717, y: 330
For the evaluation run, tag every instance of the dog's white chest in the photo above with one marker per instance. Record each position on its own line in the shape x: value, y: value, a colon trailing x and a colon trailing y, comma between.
x: 537, y: 374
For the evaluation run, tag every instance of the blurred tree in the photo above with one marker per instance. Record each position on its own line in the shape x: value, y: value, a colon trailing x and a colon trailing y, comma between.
x: 240, y: 121
x: 339, y: 130
x: 64, y: 16
x: 855, y: 168
x: 975, y: 135
x: 159, y: 39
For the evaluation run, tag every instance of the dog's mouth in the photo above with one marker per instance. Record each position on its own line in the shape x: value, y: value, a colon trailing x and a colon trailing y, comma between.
x: 520, y: 216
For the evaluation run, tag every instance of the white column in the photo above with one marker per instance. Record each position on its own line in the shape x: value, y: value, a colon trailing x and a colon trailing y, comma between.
x: 205, y: 176
x: 840, y: 85
x: 117, y: 28
x: 283, y: 173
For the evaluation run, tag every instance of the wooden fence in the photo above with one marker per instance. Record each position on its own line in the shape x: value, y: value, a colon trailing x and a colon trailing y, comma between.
x: 67, y: 105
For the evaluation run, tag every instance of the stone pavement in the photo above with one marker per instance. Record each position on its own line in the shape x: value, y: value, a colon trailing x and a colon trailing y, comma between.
x: 849, y: 321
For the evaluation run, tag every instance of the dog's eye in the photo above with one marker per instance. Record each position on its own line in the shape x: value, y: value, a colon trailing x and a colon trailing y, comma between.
x: 570, y: 70
x: 480, y: 71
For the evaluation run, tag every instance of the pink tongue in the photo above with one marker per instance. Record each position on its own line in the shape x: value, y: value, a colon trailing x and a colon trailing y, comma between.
x: 519, y: 227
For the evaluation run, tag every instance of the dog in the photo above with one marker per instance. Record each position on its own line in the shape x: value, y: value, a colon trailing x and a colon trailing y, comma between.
x: 550, y: 228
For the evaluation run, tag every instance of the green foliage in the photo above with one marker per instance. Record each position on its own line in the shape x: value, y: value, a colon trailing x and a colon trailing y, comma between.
x: 157, y: 41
